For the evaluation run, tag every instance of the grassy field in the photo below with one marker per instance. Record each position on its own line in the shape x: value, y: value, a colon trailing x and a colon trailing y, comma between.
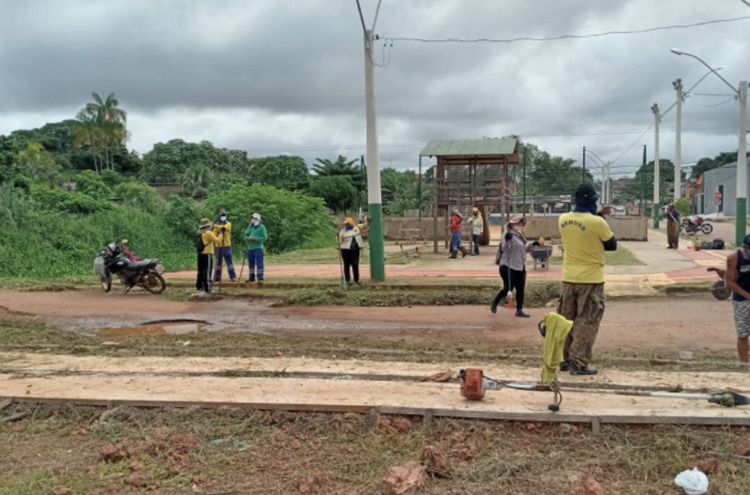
x: 174, y: 451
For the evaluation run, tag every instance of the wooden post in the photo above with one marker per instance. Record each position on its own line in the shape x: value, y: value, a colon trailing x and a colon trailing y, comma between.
x: 435, y: 178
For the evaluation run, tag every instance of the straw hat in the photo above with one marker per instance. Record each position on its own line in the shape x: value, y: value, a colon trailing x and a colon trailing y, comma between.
x: 350, y: 221
x: 517, y: 218
x: 256, y: 216
x: 205, y: 225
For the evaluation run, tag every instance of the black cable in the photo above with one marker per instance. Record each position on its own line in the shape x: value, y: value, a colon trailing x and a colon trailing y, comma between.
x: 570, y: 36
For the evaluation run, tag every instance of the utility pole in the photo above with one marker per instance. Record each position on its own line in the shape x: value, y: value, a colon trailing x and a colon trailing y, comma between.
x: 607, y: 187
x: 584, y: 165
x: 655, y: 207
x: 375, y: 206
x: 741, y: 214
x: 677, y: 84
x: 525, y: 156
x: 643, y: 183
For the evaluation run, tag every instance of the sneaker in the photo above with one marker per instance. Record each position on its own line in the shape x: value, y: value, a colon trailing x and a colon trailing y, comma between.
x: 493, y: 307
x: 576, y: 369
x: 565, y: 365
x: 260, y: 282
x: 521, y: 314
x: 233, y: 280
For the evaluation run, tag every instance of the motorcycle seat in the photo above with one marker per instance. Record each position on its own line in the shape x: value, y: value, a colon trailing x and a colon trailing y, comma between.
x: 140, y: 264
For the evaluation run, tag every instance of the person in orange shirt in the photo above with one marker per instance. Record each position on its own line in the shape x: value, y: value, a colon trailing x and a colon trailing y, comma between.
x: 455, y: 228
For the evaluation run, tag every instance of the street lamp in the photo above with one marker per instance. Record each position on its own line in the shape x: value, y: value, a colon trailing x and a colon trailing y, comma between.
x: 741, y: 212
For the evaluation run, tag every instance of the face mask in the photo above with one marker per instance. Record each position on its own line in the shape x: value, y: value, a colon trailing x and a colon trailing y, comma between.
x: 516, y: 228
x: 223, y: 218
x: 254, y: 223
x: 348, y: 227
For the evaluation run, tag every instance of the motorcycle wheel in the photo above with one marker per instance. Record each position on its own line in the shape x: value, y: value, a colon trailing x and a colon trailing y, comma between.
x: 153, y: 282
x: 707, y: 228
x: 106, y: 282
x: 690, y: 229
x: 720, y: 291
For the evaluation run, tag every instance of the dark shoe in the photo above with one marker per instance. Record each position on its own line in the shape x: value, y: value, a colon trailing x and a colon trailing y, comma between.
x: 521, y: 314
x: 493, y: 307
x: 251, y: 281
x: 358, y: 282
x: 576, y: 369
x: 565, y: 366
x: 453, y: 255
x: 464, y: 252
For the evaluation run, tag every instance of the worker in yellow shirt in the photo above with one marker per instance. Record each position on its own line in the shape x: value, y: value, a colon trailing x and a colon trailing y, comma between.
x: 224, y: 250
x: 585, y: 237
x: 205, y: 242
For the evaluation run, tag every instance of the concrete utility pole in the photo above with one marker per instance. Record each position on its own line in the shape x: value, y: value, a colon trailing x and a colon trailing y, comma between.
x: 374, y: 206
x: 677, y: 84
x: 741, y: 207
x: 655, y: 207
x: 607, y: 184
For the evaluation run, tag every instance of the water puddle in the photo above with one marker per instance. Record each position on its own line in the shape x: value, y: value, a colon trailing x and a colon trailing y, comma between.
x: 166, y: 327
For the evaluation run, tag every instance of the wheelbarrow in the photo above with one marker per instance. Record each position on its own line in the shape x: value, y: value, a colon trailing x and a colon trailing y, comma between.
x: 541, y: 256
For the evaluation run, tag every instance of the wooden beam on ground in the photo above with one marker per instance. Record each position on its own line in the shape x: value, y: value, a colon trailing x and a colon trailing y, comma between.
x: 318, y: 395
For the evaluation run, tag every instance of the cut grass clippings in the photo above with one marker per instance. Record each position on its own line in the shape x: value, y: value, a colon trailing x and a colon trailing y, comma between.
x: 344, y: 454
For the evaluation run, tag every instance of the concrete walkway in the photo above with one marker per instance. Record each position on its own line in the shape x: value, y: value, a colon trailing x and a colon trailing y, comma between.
x: 661, y: 266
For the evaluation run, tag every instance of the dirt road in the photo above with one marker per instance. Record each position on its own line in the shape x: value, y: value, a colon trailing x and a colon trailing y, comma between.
x: 675, y: 323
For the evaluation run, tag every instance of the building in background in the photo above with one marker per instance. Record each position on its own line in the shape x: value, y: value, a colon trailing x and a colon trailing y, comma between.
x: 718, y: 191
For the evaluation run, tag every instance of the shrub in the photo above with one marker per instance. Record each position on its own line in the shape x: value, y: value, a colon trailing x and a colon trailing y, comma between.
x: 293, y: 220
x: 111, y: 178
x: 139, y: 195
x: 54, y: 199
x: 183, y: 215
x: 90, y: 184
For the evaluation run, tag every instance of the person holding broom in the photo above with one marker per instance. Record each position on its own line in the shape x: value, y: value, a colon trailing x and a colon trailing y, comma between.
x: 350, y: 244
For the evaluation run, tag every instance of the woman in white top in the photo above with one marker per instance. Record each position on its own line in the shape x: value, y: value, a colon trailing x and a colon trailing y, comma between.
x: 511, y: 257
x: 350, y: 244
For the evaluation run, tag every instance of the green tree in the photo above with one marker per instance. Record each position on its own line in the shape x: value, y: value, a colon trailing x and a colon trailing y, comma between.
x: 294, y: 220
x: 401, y: 191
x: 38, y: 164
x: 138, y: 195
x: 90, y: 184
x: 337, y: 192
x: 167, y: 162
x: 102, y: 127
x: 283, y: 172
x: 341, y: 167
x: 645, y: 174
x: 195, y: 181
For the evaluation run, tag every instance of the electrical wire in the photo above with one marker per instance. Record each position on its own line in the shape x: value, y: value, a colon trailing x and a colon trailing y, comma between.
x: 731, y: 98
x: 570, y: 36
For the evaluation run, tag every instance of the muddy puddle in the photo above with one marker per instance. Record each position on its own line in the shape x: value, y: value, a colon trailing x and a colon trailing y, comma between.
x: 166, y: 327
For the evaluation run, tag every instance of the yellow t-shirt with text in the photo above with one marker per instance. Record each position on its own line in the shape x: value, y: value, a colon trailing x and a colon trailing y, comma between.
x: 583, y: 251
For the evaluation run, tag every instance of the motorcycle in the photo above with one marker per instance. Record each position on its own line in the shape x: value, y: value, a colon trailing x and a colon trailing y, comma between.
x: 719, y: 288
x: 695, y: 225
x: 146, y: 273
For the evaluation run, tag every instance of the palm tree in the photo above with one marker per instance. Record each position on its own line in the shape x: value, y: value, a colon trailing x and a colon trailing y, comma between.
x: 104, y: 126
x: 195, y: 181
x: 341, y: 166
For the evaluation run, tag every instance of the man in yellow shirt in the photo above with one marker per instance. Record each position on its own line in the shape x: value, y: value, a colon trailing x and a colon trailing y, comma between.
x: 205, y: 242
x: 585, y: 237
x: 224, y: 250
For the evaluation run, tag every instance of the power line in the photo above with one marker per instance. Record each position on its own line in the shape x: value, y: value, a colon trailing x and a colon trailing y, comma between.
x: 569, y: 36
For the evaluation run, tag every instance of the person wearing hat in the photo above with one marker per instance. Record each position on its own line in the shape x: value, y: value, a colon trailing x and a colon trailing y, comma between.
x: 585, y: 237
x: 224, y: 250
x: 255, y: 235
x: 673, y: 227
x: 350, y: 244
x: 738, y: 279
x: 477, y: 228
x: 205, y: 243
x: 512, y: 260
x: 455, y: 228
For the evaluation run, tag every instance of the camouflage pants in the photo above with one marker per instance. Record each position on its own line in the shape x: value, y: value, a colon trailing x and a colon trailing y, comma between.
x: 584, y: 304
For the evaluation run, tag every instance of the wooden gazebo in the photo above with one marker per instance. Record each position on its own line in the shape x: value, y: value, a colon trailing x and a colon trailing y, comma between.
x: 471, y: 173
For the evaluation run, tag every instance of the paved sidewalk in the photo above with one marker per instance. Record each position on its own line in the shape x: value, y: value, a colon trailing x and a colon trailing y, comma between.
x: 661, y: 266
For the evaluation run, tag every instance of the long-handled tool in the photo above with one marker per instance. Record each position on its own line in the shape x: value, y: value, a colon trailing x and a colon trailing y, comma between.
x: 220, y: 260
x: 242, y: 268
x: 474, y: 384
x: 341, y: 267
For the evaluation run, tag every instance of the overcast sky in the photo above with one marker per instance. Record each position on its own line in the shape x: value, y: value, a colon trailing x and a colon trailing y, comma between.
x: 287, y: 76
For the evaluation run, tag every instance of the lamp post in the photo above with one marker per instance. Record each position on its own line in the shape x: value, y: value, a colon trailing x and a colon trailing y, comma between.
x: 677, y: 84
x: 741, y: 213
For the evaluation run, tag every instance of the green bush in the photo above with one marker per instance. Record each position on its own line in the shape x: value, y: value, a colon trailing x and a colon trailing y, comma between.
x: 183, y: 215
x: 293, y: 220
x: 683, y: 206
x: 57, y: 200
x: 111, y: 178
x: 90, y: 184
x: 139, y: 195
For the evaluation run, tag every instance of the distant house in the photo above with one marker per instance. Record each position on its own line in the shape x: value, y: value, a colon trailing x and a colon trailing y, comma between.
x: 718, y: 191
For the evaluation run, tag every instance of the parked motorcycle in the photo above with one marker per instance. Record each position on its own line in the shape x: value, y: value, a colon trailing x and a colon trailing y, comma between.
x: 719, y: 288
x: 146, y: 273
x: 695, y: 225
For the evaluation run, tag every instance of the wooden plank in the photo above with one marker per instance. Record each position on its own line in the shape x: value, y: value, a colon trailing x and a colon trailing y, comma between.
x: 5, y: 404
x: 361, y: 396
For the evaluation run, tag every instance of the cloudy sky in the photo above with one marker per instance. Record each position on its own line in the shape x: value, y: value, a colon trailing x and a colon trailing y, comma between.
x: 287, y: 76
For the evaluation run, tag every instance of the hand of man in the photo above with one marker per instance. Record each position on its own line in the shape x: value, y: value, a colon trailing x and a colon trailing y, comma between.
x: 606, y: 210
x: 250, y: 238
x: 508, y: 237
x: 223, y: 229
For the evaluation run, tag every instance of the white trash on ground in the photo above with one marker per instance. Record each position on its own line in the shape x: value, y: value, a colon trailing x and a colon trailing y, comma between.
x: 694, y: 482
